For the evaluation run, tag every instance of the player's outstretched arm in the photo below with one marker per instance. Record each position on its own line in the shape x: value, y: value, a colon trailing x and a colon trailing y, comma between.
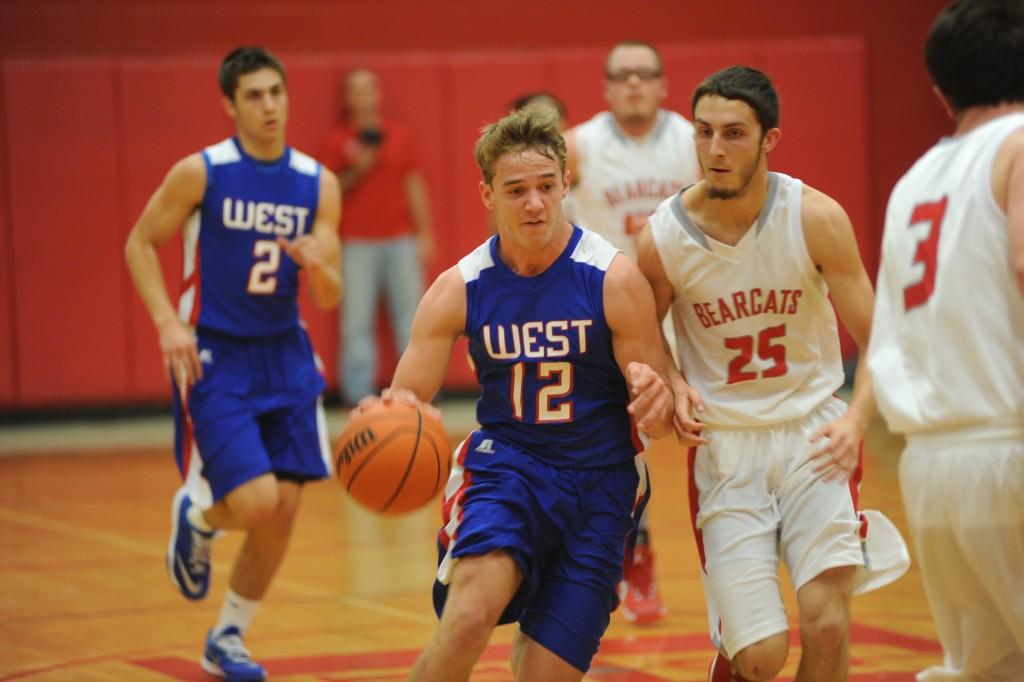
x: 1008, y: 189
x: 688, y: 403
x: 833, y: 248
x: 636, y: 341
x: 439, y: 321
x: 319, y: 252
x: 166, y: 211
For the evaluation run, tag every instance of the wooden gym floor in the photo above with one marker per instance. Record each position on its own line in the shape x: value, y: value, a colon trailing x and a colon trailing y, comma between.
x: 84, y: 518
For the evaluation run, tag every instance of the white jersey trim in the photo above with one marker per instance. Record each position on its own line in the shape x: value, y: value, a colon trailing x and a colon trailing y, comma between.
x: 476, y: 261
x: 593, y: 249
x: 223, y: 152
x: 303, y: 163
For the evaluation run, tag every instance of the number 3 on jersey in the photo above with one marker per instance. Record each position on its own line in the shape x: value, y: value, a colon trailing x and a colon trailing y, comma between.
x: 560, y: 375
x: 927, y: 252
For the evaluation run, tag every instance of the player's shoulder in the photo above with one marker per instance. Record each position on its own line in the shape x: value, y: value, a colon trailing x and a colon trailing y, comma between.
x: 818, y: 208
x: 593, y: 250
x: 474, y: 263
x: 596, y: 124
x: 678, y: 121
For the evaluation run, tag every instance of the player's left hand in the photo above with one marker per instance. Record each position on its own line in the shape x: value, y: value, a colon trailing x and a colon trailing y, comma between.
x: 839, y: 454
x: 653, y: 405
x: 306, y: 250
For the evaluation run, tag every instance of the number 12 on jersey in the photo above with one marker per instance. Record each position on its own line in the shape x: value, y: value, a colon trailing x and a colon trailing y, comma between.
x: 559, y: 374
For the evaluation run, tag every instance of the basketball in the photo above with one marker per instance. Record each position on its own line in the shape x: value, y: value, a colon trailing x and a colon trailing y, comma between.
x: 393, y: 458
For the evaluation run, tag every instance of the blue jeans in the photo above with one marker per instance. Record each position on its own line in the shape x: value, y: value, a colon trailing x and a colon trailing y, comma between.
x: 368, y: 266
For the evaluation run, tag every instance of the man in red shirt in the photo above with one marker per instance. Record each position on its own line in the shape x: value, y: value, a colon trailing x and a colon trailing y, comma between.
x: 386, y: 230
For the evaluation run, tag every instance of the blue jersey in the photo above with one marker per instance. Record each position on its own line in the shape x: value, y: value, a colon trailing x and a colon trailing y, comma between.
x: 543, y: 355
x: 238, y: 281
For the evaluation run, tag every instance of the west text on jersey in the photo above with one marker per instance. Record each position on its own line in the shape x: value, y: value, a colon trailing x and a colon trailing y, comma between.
x: 265, y: 217
x: 748, y: 303
x: 535, y: 339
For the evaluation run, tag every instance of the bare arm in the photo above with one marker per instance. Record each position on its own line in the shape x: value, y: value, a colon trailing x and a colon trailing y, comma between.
x: 1008, y: 190
x: 439, y: 321
x: 833, y: 248
x: 319, y: 252
x: 166, y: 211
x: 629, y: 310
x: 419, y: 207
x: 688, y: 403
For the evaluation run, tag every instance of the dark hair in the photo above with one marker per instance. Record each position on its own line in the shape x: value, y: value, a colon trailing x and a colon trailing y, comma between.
x: 534, y: 127
x: 975, y: 52
x: 747, y: 85
x: 540, y: 97
x: 633, y: 43
x: 243, y: 60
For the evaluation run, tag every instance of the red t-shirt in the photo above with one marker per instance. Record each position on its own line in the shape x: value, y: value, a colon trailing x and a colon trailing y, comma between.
x: 376, y: 208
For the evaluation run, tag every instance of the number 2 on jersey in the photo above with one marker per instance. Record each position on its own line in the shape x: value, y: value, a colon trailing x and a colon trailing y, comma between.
x: 766, y: 350
x: 546, y: 413
x: 927, y: 252
x: 262, y: 279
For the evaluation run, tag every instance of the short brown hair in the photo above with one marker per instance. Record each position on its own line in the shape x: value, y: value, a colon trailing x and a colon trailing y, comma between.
x: 535, y: 127
x: 242, y: 61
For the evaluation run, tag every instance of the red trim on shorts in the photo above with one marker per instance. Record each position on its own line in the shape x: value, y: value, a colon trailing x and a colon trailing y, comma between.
x: 194, y: 280
x: 457, y: 496
x: 189, y: 436
x: 854, y: 484
x: 691, y: 459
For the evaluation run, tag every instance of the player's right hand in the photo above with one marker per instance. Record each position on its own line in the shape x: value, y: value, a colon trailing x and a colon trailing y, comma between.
x: 181, y: 355
x: 686, y: 421
x: 402, y: 396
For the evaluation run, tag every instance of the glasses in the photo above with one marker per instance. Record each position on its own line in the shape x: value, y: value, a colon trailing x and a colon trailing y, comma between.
x: 642, y: 74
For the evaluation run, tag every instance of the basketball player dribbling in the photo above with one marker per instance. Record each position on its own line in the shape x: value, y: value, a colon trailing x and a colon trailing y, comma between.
x: 622, y: 164
x: 747, y: 259
x: 947, y: 347
x: 543, y: 497
x: 249, y: 425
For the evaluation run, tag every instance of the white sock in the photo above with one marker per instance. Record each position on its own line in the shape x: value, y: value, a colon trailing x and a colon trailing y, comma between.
x: 196, y: 518
x: 237, y: 611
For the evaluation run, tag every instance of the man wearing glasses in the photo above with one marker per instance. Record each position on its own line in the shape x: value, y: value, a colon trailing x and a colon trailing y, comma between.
x: 622, y: 164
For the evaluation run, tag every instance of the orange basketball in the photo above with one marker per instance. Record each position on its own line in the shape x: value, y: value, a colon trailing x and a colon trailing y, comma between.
x: 393, y: 458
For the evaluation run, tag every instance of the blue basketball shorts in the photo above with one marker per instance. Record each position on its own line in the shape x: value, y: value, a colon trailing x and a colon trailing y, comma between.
x: 568, y: 530
x: 256, y: 410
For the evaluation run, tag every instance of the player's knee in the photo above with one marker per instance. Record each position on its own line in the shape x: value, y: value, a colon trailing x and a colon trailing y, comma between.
x: 468, y: 621
x: 824, y: 632
x: 762, y: 660
x: 255, y: 503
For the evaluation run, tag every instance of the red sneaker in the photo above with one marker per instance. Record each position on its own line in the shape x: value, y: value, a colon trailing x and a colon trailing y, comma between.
x: 642, y: 601
x: 721, y: 671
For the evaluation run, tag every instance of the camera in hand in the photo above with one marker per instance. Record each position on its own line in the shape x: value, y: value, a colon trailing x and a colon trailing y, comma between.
x: 371, y: 136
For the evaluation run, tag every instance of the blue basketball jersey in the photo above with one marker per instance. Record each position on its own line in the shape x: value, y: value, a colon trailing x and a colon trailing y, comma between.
x: 543, y: 355
x: 238, y: 280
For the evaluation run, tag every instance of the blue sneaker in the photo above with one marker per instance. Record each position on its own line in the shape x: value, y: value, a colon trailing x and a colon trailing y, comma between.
x: 188, y: 553
x: 226, y: 656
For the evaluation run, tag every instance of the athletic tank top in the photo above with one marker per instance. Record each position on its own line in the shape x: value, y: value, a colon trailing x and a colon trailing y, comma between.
x: 622, y: 180
x: 755, y: 329
x: 543, y: 355
x: 237, y: 279
x: 947, y: 344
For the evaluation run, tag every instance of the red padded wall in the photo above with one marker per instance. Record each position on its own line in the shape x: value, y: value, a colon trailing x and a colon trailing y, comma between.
x: 169, y: 108
x: 8, y: 385
x: 68, y: 273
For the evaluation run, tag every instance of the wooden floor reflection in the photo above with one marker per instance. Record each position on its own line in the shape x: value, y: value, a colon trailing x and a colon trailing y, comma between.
x: 84, y: 594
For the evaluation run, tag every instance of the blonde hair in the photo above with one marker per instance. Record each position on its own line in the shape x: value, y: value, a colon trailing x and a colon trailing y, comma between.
x: 534, y: 127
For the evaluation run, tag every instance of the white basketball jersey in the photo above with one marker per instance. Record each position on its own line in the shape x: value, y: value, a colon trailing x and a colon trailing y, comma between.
x: 756, y: 332
x: 947, y: 345
x: 622, y: 179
